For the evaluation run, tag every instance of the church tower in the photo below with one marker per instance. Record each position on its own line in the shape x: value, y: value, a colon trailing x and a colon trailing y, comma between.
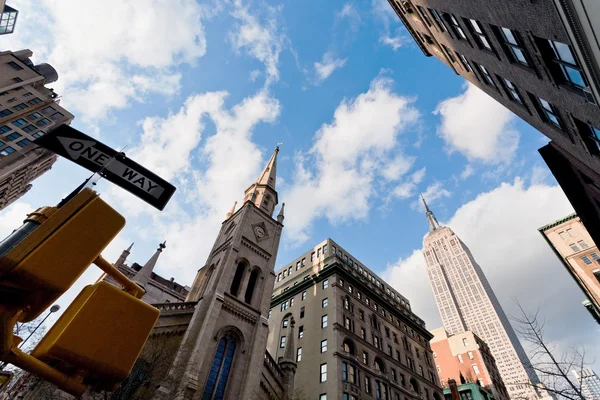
x: 223, y: 349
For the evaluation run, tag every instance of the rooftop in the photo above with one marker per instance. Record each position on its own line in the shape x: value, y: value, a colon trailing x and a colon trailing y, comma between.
x: 557, y: 222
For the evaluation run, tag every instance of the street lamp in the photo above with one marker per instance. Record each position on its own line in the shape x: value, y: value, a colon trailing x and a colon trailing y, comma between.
x: 53, y: 309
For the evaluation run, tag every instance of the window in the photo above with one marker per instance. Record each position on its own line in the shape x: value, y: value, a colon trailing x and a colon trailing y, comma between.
x: 30, y: 128
x: 465, y: 342
x: 323, y: 396
x: 304, y: 295
x: 34, y: 116
x: 367, y: 385
x: 574, y: 247
x: 485, y: 75
x: 48, y: 109
x: 24, y: 142
x: 563, y: 235
x: 347, y: 323
x: 325, y: 284
x: 363, y: 334
x: 292, y: 302
x: 37, y: 134
x: 565, y: 67
x: 297, y: 265
x: 470, y: 353
x: 365, y: 358
x: 312, y: 256
x: 586, y: 260
x: 346, y: 303
x: 475, y: 369
x: 361, y: 315
x: 324, y: 321
x: 512, y: 91
x: 4, y: 129
x: 12, y: 100
x: 465, y: 63
x: 19, y: 107
x: 393, y: 374
x: 438, y: 20
x: 344, y: 371
x: 323, y: 372
x: 19, y: 122
x: 15, y: 66
x: 324, y: 249
x: 480, y: 36
x: 449, y: 53
x: 323, y: 345
x: 290, y: 271
x: 303, y: 262
x: 57, y: 115
x: 512, y: 46
x: 456, y: 27
x: 595, y: 257
x: 299, y: 354
x: 4, y: 113
x: 389, y: 350
x: 219, y: 370
x: 282, y: 342
x: 270, y: 312
x: 35, y: 100
x: 44, y: 122
x: 460, y: 359
x: 1, y: 143
x: 284, y: 324
x: 352, y: 374
x: 13, y: 136
x: 17, y: 80
x: 284, y: 306
x: 28, y: 94
x: 548, y: 112
x: 425, y: 17
x: 324, y: 302
x: 596, y: 273
x: 582, y: 244
x: 301, y: 312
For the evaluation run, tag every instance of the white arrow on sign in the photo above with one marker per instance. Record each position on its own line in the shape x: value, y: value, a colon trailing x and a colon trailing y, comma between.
x: 85, y: 148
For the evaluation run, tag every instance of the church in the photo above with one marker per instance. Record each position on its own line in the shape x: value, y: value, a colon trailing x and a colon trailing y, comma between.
x: 213, y: 345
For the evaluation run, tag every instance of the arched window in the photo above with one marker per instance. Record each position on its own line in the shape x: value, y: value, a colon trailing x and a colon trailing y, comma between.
x: 348, y: 347
x: 414, y: 385
x: 237, y: 279
x: 251, y: 284
x: 379, y: 366
x: 219, y: 370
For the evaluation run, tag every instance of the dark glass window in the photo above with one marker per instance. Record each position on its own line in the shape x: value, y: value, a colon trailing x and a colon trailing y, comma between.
x: 17, y: 80
x: 565, y: 60
x: 35, y: 100
x: 19, y: 122
x: 48, y: 109
x: 513, y: 46
x: 38, y: 134
x: 4, y: 129
x: 548, y: 112
x: 485, y: 75
x: 57, y: 115
x: 438, y: 19
x: 29, y: 128
x: 219, y: 370
x: 456, y: 26
x: 13, y: 136
x: 15, y: 66
x: 24, y: 142
x: 449, y: 54
x: 20, y: 106
x: 6, y: 151
x: 34, y: 116
x: 4, y: 113
x: 465, y: 62
x: 480, y: 36
x: 44, y: 122
x: 512, y: 91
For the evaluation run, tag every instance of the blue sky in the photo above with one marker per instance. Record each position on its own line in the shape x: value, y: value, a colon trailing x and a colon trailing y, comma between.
x: 202, y: 92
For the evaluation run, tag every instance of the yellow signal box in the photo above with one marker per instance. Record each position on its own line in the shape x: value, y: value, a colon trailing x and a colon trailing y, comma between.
x: 99, y: 337
x: 42, y: 259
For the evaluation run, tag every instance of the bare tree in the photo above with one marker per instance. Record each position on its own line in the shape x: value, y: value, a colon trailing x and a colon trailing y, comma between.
x: 553, y: 367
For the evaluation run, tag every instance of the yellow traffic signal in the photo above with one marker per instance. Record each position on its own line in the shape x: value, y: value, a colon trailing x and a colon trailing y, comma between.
x: 99, y: 336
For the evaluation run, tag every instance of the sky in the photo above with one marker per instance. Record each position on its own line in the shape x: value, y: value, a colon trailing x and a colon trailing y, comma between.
x: 202, y: 92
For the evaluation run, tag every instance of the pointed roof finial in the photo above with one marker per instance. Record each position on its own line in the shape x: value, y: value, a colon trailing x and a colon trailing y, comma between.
x: 289, y: 353
x: 280, y: 216
x: 267, y: 177
x: 130, y: 247
x: 232, y: 211
x: 145, y: 274
x: 433, y: 223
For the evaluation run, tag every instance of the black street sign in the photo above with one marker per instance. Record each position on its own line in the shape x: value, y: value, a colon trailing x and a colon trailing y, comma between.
x: 113, y: 166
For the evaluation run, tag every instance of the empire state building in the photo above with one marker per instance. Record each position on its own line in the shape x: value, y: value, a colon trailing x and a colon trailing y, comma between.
x: 466, y: 301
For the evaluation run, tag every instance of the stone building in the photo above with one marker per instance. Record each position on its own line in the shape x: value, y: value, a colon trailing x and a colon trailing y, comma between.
x: 537, y: 58
x: 464, y: 357
x: 574, y: 246
x: 28, y: 109
x: 466, y: 302
x: 356, y: 337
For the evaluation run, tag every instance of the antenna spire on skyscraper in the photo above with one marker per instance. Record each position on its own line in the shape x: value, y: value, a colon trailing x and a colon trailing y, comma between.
x: 433, y: 223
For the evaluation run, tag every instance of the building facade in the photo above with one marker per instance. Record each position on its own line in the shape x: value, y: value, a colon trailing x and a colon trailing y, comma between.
x: 467, y: 391
x: 467, y: 302
x: 537, y: 58
x: 464, y: 357
x: 8, y: 18
x: 357, y: 338
x: 28, y: 109
x: 590, y: 383
x: 574, y: 246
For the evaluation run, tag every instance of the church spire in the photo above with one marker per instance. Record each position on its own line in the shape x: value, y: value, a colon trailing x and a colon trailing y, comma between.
x: 232, y: 211
x: 433, y: 223
x: 262, y: 192
x: 145, y: 274
x: 123, y: 257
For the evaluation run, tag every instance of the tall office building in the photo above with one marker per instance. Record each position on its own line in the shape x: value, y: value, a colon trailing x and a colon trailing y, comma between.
x: 579, y: 254
x: 590, y: 383
x: 537, y: 58
x: 8, y: 18
x: 28, y: 109
x: 355, y: 336
x: 467, y: 302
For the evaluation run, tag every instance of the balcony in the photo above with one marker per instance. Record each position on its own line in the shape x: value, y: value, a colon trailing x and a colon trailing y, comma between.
x: 8, y: 19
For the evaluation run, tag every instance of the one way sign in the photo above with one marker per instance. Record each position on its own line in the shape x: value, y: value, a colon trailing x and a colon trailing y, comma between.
x: 114, y: 167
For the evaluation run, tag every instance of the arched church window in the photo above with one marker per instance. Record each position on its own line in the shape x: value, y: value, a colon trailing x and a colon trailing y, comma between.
x: 251, y: 285
x: 237, y: 279
x: 219, y: 370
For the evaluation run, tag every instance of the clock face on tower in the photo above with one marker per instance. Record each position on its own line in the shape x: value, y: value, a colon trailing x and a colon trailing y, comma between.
x: 260, y: 231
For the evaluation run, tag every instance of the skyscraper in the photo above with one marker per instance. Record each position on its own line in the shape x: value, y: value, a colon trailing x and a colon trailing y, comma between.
x: 356, y: 337
x: 590, y: 383
x: 28, y: 109
x: 467, y: 302
x: 540, y: 59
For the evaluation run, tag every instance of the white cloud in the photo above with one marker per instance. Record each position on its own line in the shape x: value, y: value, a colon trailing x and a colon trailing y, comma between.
x: 432, y: 194
x: 500, y: 228
x: 350, y: 13
x: 407, y: 188
x: 84, y: 41
x: 397, y: 167
x: 12, y: 217
x: 261, y: 39
x: 467, y: 172
x: 327, y: 65
x: 395, y: 42
x: 254, y: 74
x: 478, y: 127
x: 384, y: 17
x: 336, y: 177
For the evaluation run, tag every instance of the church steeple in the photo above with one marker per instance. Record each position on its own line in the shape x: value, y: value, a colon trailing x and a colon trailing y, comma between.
x: 262, y: 192
x: 145, y: 274
x: 123, y: 257
x: 433, y: 223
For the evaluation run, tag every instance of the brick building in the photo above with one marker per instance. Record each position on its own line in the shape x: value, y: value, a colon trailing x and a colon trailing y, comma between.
x: 28, y: 109
x: 537, y: 58
x: 357, y: 338
x: 464, y: 357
